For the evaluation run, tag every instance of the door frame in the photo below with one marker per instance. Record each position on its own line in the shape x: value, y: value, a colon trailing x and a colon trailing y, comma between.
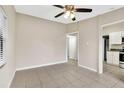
x: 76, y: 32
x: 101, y: 44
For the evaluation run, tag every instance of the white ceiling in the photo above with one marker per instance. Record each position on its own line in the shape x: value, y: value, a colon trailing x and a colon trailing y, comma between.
x: 48, y: 11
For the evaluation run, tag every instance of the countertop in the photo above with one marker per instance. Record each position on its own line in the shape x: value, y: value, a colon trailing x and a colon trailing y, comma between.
x: 116, y: 50
x: 113, y: 51
x: 122, y: 52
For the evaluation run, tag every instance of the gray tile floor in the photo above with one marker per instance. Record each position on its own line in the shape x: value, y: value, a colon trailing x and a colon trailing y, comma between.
x: 68, y: 75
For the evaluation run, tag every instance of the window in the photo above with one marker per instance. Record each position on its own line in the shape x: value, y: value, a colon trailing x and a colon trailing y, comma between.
x: 3, y: 30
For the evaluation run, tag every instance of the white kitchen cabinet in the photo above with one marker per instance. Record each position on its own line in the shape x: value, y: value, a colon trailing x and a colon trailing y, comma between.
x: 109, y: 57
x: 116, y: 58
x: 113, y: 57
x: 122, y: 33
x: 115, y: 38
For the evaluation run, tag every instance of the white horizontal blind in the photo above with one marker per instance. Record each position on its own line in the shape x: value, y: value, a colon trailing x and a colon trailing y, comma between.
x: 3, y: 29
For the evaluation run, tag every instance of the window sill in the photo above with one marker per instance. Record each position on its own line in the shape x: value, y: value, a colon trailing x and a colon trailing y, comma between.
x: 2, y: 64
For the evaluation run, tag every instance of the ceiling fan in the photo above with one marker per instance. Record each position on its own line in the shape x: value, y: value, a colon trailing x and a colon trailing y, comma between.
x: 69, y: 11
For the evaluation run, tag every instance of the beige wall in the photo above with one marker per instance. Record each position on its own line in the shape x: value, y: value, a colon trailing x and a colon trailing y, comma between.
x: 111, y: 16
x: 72, y: 27
x: 88, y: 43
x: 7, y: 72
x: 113, y: 28
x: 39, y: 41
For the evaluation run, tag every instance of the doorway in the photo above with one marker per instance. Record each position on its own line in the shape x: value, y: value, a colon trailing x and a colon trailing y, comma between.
x: 106, y: 46
x: 72, y: 48
x: 116, y: 27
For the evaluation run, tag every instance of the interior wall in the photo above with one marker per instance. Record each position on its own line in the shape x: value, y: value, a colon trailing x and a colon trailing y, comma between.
x: 111, y: 17
x: 39, y: 42
x: 72, y: 27
x: 88, y: 43
x: 113, y: 28
x: 72, y: 47
x: 7, y: 72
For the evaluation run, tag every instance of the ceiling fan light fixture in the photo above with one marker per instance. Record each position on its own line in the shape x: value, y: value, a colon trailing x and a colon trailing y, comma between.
x: 70, y: 10
x: 67, y: 14
x: 72, y: 15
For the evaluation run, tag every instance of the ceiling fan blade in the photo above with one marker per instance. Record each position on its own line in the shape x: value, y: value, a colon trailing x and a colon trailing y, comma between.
x: 59, y: 14
x: 73, y: 19
x: 59, y: 6
x: 83, y: 10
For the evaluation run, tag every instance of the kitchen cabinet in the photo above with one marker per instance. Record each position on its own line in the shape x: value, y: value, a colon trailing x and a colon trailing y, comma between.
x: 115, y: 38
x: 122, y: 33
x: 109, y: 57
x: 113, y: 57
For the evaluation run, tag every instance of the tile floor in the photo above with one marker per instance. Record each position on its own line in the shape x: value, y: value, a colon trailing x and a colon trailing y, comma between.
x: 68, y: 75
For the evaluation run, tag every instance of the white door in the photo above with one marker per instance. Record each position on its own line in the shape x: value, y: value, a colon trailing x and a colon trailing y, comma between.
x: 72, y: 47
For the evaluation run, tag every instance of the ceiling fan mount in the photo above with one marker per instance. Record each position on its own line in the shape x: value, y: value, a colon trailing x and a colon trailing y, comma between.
x: 69, y: 7
x: 69, y: 11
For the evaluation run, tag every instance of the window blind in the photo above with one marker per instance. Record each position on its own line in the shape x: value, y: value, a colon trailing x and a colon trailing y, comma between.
x: 2, y: 37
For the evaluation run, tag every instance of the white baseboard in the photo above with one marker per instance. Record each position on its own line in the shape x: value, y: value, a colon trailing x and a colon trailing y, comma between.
x: 10, y: 82
x: 87, y: 68
x: 30, y: 67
